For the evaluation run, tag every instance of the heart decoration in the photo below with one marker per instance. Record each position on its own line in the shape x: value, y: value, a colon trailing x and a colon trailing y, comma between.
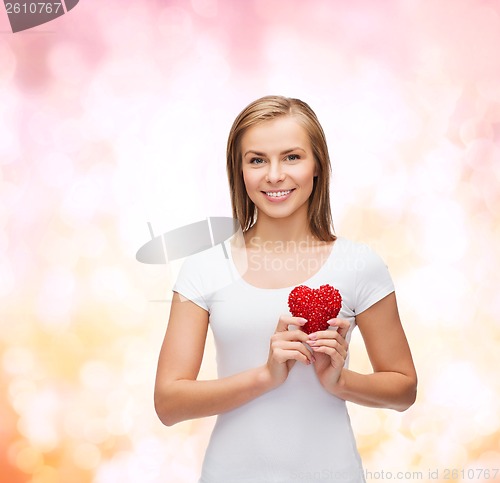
x: 318, y: 306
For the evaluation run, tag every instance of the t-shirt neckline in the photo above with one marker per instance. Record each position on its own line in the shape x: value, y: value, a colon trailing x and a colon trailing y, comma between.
x: 235, y: 270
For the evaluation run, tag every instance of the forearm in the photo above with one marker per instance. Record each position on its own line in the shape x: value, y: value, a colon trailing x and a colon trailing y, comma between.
x: 392, y: 390
x: 187, y: 399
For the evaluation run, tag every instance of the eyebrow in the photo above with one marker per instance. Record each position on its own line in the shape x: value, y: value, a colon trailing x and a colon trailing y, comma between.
x: 258, y: 153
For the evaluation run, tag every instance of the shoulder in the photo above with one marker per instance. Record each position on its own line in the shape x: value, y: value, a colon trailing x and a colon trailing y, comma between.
x: 360, y: 260
x: 209, y: 258
x: 354, y: 249
x: 202, y: 274
x: 211, y: 267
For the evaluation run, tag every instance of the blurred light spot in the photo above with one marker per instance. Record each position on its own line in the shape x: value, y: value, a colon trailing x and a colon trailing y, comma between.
x: 21, y: 394
x: 82, y: 201
x: 92, y: 241
x: 67, y: 135
x: 18, y: 361
x: 120, y: 421
x: 487, y: 421
x: 55, y: 299
x: 449, y: 447
x: 483, y: 157
x: 487, y: 460
x: 215, y: 68
x: 95, y: 430
x: 7, y: 63
x: 101, y: 107
x: 368, y: 423
x: 450, y: 288
x: 40, y: 126
x: 38, y: 422
x: 86, y: 456
x: 423, y: 425
x: 115, y: 469
x: 66, y: 62
x: 74, y: 423
x: 150, y: 452
x: 28, y: 459
x: 392, y: 423
x: 438, y: 173
x: 205, y: 8
x: 444, y: 236
x: 447, y: 388
x: 46, y: 474
x: 110, y: 283
x: 388, y: 197
x: 489, y: 89
x: 473, y: 129
x: 59, y: 250
x: 96, y: 375
x: 55, y: 169
x: 7, y: 277
x: 176, y: 31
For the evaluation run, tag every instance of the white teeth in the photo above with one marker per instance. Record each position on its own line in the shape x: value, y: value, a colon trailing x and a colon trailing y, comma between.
x: 276, y: 194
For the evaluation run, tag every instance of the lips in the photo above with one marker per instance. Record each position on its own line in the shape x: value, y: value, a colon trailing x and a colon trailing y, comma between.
x: 278, y: 195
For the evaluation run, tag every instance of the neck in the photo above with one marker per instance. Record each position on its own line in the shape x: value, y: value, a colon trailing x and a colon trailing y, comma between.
x: 292, y: 228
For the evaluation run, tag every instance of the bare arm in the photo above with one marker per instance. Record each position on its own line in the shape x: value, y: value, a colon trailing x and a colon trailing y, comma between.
x: 179, y: 396
x: 393, y: 383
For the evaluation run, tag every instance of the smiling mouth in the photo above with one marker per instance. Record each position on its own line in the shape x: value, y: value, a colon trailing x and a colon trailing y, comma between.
x: 278, y: 194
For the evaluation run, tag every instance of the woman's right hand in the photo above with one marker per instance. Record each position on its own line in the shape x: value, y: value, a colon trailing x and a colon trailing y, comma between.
x: 286, y: 348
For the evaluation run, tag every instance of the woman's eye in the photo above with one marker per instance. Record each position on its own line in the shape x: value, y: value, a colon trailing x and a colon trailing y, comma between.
x: 256, y: 161
x: 293, y: 157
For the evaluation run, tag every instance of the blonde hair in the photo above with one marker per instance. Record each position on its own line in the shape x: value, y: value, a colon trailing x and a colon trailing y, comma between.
x: 265, y: 109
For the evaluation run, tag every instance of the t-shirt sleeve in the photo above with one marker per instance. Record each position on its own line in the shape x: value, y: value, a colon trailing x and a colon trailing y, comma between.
x: 190, y: 283
x: 373, y: 280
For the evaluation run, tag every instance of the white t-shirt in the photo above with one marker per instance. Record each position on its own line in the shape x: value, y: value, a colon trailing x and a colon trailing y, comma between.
x: 297, y: 432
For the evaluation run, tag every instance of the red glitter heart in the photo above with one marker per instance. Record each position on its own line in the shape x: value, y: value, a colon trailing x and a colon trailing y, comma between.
x: 317, y: 305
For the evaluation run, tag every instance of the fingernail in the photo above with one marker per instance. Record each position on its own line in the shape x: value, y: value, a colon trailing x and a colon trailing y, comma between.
x: 313, y: 336
x: 302, y: 320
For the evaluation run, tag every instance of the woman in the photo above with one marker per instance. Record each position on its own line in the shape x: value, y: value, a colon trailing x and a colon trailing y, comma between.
x: 280, y: 393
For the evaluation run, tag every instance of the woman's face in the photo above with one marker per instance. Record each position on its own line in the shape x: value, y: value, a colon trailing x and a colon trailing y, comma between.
x: 278, y: 167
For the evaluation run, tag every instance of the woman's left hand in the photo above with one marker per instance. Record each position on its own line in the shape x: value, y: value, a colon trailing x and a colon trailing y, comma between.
x: 330, y: 351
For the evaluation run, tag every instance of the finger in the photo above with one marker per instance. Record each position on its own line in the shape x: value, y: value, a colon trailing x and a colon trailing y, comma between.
x: 283, y: 355
x: 286, y: 320
x: 342, y: 326
x: 332, y: 333
x: 324, y: 334
x: 292, y: 347
x: 297, y: 346
x: 331, y: 339
x: 337, y: 359
x: 340, y: 347
x: 292, y: 335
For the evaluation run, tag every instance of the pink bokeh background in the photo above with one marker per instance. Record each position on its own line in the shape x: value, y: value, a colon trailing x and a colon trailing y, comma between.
x: 117, y: 114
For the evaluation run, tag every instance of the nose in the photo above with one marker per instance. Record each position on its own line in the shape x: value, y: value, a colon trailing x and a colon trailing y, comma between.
x: 274, y: 173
